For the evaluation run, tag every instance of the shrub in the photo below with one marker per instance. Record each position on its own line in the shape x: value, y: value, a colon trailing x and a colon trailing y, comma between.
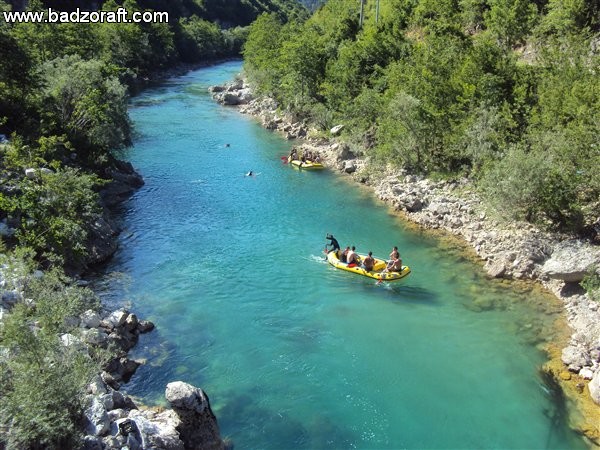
x: 42, y: 381
x: 591, y: 283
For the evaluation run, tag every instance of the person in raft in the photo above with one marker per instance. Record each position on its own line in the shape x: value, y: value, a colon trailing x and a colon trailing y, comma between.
x: 369, y: 262
x: 333, y: 242
x: 395, y: 265
x: 344, y: 254
x: 352, y: 257
x: 394, y: 254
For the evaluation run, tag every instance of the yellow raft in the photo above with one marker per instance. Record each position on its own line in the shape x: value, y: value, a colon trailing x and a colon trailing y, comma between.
x: 306, y: 165
x: 377, y: 272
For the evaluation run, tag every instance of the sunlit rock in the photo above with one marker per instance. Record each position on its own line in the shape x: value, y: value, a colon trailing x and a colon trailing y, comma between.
x: 198, y: 428
x: 594, y: 387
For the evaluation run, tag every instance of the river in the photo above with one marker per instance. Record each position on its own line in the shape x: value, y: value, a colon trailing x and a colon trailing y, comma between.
x: 292, y: 352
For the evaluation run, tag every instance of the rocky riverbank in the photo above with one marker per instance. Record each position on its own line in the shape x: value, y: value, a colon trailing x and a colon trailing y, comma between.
x: 112, y: 420
x: 517, y: 251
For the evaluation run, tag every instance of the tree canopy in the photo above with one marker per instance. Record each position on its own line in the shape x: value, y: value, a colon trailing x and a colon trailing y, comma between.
x: 503, y: 91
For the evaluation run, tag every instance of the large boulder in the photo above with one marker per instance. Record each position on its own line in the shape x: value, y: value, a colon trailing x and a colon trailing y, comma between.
x: 575, y: 357
x: 117, y: 318
x: 97, y: 422
x: 90, y: 319
x: 101, y: 243
x: 571, y: 261
x: 215, y: 89
x: 496, y: 268
x: 198, y: 428
x: 124, y: 181
x: 5, y: 229
x: 349, y: 167
x: 230, y: 99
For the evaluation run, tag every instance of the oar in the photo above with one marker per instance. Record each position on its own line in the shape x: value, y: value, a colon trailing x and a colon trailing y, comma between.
x: 284, y: 159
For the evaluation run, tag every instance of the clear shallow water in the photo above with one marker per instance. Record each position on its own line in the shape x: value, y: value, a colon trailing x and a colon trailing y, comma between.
x: 293, y: 353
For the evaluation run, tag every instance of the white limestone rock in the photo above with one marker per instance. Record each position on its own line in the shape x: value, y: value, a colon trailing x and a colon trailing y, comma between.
x: 90, y: 319
x: 336, y: 130
x: 117, y: 318
x: 571, y: 261
x: 97, y: 423
x: 158, y: 430
x: 594, y: 387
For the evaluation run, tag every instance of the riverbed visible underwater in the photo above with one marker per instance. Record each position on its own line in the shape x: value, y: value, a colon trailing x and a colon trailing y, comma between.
x: 293, y: 353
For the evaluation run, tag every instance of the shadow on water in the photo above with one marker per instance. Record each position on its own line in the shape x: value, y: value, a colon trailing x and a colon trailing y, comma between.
x: 557, y: 412
x: 403, y: 293
x: 243, y: 412
x: 414, y: 294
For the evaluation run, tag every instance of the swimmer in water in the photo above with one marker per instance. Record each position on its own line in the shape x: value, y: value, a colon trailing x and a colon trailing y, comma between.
x: 249, y: 174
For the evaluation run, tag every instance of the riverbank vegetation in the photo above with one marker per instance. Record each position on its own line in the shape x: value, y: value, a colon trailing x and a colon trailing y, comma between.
x: 42, y: 377
x: 63, y: 104
x: 505, y: 92
x: 64, y: 90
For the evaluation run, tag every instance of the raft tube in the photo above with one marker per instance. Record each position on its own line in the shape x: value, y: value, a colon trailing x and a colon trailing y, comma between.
x: 377, y: 272
x: 306, y: 165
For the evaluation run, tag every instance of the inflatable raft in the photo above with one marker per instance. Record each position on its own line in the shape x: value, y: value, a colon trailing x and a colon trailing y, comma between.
x: 306, y: 165
x: 377, y: 272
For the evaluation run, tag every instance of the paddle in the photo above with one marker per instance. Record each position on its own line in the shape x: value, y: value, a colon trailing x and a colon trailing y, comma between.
x: 284, y: 159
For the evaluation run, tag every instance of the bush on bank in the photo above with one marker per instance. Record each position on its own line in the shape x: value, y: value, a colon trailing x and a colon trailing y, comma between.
x: 42, y: 376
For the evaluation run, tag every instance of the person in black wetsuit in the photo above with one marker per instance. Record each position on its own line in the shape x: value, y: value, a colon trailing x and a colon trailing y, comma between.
x: 333, y: 242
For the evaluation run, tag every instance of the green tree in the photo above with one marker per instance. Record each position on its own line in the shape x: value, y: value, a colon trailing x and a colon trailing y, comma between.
x: 566, y: 17
x: 511, y: 20
x: 405, y: 135
x: 304, y: 62
x: 85, y: 102
x: 472, y: 14
x: 261, y: 53
x: 199, y: 40
x: 535, y: 185
x: 56, y: 211
x: 42, y: 381
x: 17, y: 85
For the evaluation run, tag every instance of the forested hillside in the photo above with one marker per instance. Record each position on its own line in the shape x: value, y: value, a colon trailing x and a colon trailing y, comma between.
x: 506, y: 92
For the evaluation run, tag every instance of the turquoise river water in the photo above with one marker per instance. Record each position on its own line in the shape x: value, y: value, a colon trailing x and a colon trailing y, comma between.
x: 292, y: 352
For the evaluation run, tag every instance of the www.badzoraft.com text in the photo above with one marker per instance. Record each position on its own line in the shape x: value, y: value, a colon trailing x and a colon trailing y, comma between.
x: 121, y: 15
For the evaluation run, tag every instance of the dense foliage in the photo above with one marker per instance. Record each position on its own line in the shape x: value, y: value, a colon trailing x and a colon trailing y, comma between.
x: 41, y: 376
x: 63, y: 102
x: 504, y: 91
